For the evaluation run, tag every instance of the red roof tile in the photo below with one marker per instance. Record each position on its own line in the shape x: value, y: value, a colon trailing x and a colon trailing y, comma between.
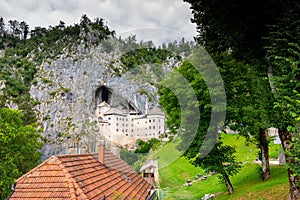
x: 81, y: 177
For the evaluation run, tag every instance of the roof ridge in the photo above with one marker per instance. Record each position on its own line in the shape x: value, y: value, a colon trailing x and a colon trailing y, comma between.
x: 72, y: 184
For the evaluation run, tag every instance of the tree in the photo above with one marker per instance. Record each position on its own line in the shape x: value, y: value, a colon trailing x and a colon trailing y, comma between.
x: 240, y: 27
x: 204, y: 147
x: 222, y: 160
x: 24, y: 30
x: 2, y: 27
x: 249, y: 103
x: 19, y: 148
x: 284, y: 56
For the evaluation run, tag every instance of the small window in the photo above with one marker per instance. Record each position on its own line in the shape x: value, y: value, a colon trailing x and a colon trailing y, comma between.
x: 117, y: 130
x: 150, y: 120
x: 109, y: 118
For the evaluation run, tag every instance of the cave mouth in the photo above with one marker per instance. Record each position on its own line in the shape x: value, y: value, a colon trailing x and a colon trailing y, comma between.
x: 103, y: 94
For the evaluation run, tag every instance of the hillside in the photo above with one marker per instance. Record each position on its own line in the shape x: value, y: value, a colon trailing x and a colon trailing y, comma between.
x: 58, y: 75
x: 247, y: 182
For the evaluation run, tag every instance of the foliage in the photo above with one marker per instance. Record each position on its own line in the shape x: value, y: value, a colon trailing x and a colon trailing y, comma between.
x: 237, y: 25
x: 219, y: 155
x: 284, y: 55
x: 19, y: 148
x: 221, y: 160
x: 144, y: 147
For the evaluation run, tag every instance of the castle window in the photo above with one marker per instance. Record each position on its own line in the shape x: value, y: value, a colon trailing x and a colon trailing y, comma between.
x: 108, y: 124
x: 149, y: 120
x: 149, y: 127
x: 109, y: 118
x: 153, y: 120
x: 126, y: 134
x: 117, y: 130
x: 153, y: 127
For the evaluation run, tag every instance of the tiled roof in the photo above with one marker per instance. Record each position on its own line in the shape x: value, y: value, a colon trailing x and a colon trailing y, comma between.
x: 81, y: 177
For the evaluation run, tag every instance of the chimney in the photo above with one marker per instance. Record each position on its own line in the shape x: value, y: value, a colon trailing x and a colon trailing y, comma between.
x: 101, y: 151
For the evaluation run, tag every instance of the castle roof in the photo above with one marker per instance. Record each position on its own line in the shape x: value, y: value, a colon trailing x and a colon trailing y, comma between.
x: 103, y: 104
x: 156, y: 111
x: 114, y: 111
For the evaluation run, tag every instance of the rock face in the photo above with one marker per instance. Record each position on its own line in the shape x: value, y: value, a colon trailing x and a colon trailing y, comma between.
x: 69, y: 88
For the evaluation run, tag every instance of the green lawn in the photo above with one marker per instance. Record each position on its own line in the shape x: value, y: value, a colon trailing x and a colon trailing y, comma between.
x: 175, y: 170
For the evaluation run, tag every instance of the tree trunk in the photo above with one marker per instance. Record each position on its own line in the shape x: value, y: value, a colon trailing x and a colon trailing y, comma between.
x: 263, y: 144
x: 286, y: 138
x: 228, y: 183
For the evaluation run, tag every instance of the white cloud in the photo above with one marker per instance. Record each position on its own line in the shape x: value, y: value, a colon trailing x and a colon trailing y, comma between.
x: 122, y: 16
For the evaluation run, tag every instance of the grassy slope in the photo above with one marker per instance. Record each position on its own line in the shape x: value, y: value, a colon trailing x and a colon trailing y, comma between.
x: 247, y: 182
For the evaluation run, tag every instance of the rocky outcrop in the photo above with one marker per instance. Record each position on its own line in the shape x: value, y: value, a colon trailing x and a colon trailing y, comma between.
x: 69, y: 88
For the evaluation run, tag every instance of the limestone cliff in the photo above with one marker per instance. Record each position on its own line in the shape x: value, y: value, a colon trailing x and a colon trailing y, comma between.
x: 70, y: 86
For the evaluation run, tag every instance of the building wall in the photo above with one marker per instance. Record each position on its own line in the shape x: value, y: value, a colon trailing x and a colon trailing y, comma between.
x: 126, y: 129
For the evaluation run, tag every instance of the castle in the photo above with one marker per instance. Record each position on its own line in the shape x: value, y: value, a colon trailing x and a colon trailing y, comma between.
x: 125, y: 129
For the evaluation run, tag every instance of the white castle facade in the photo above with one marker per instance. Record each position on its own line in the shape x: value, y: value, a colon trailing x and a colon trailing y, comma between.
x: 125, y: 129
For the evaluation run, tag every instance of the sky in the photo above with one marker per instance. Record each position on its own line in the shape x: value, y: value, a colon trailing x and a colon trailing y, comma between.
x: 156, y: 20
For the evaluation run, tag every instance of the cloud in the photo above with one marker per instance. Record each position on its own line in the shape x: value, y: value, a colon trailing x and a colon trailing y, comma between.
x: 121, y: 16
